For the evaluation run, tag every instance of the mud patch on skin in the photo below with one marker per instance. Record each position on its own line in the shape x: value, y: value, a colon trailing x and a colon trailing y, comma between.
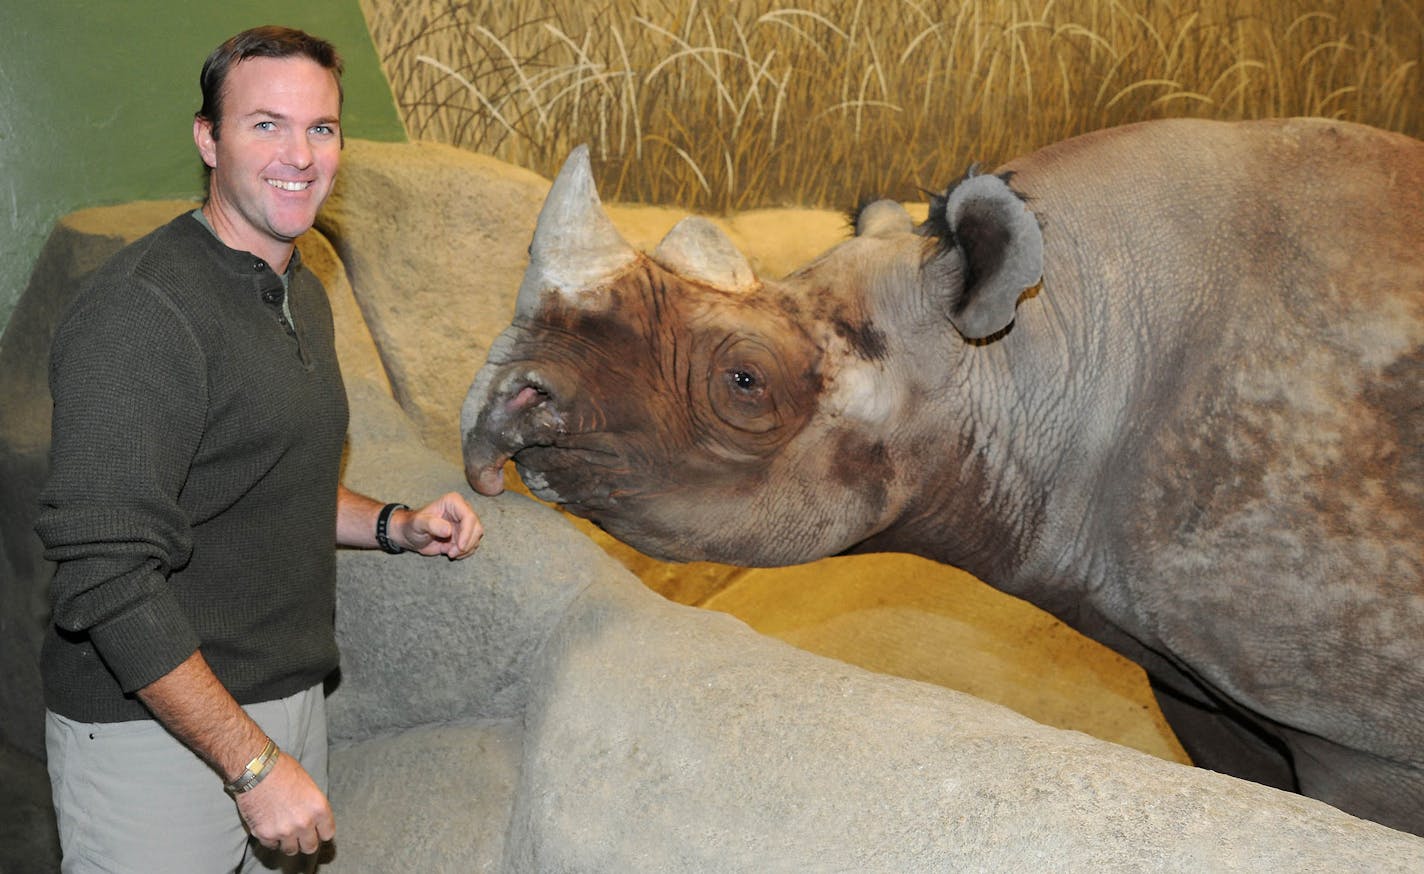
x: 605, y: 369
x: 1385, y: 428
x: 790, y: 305
x: 1399, y: 396
x: 634, y: 381
x: 863, y: 467
x: 864, y: 338
x: 848, y: 320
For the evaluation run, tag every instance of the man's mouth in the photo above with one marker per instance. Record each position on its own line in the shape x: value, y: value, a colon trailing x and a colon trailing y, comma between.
x: 286, y: 185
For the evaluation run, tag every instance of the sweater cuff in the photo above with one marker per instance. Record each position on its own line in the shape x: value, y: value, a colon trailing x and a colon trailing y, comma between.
x: 145, y: 643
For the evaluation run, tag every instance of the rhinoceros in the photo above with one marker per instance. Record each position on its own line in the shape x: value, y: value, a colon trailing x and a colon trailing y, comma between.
x: 1165, y: 381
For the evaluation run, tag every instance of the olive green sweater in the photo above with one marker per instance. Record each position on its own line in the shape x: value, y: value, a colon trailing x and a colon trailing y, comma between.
x: 191, y: 499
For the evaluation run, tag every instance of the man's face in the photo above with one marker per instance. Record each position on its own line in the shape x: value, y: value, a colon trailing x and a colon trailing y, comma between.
x: 276, y: 155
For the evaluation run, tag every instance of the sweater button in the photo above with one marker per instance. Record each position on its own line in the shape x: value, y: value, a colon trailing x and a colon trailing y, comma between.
x: 272, y: 296
x: 259, y: 265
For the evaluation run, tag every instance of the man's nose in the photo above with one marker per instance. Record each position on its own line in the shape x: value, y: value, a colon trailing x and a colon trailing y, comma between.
x: 298, y: 151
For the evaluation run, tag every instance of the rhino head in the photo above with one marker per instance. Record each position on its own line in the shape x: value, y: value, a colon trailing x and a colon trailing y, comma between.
x: 700, y: 412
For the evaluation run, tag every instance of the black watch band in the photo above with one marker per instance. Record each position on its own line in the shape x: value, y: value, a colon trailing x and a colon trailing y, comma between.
x: 383, y: 524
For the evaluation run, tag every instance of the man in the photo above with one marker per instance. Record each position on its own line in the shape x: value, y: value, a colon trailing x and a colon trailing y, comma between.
x: 193, y: 503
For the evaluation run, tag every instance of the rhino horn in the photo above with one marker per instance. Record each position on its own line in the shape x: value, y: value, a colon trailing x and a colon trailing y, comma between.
x: 575, y: 247
x: 697, y: 249
x: 883, y: 218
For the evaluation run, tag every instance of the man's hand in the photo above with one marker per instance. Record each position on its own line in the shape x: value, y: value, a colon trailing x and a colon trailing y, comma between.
x: 286, y: 811
x: 446, y: 526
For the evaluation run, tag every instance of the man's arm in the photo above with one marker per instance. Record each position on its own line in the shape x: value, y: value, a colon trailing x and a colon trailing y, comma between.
x: 285, y: 811
x: 446, y: 526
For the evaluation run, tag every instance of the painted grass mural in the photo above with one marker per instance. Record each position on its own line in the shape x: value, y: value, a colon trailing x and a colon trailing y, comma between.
x: 735, y: 105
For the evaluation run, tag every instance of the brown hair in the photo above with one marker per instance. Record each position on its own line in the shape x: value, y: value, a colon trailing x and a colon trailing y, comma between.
x: 270, y: 41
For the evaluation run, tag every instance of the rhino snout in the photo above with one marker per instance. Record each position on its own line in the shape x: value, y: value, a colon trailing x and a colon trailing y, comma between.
x: 517, y: 415
x: 487, y: 480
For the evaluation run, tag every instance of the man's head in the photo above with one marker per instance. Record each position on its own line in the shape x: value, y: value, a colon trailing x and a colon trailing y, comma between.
x: 270, y: 41
x: 270, y: 134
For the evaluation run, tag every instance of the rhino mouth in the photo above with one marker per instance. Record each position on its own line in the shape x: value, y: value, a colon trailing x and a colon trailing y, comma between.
x: 579, y: 472
x: 558, y: 448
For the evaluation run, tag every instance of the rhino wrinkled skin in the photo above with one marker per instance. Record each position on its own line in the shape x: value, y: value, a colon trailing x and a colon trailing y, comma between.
x: 1165, y: 381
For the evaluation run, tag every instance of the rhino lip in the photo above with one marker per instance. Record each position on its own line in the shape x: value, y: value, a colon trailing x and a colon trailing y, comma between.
x: 574, y: 472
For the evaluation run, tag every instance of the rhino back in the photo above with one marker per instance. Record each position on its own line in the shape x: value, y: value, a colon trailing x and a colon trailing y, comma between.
x: 1249, y: 305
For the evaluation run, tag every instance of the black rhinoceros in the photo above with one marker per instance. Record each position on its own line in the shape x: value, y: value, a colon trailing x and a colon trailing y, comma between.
x: 1165, y: 381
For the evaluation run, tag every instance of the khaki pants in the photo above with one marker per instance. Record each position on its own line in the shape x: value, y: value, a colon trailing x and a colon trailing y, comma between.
x: 130, y: 797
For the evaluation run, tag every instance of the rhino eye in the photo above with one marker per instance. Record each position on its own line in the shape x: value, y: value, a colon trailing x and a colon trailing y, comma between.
x: 743, y: 385
x: 745, y: 380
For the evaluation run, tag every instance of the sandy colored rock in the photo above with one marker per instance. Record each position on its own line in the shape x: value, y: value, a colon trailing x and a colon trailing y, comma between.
x: 432, y: 238
x: 907, y: 616
x: 736, y: 752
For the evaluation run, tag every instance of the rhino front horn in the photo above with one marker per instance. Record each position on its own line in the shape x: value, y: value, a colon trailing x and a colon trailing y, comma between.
x: 697, y: 249
x: 575, y: 247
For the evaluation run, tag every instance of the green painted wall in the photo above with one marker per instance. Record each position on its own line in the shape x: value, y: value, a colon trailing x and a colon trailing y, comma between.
x: 97, y: 100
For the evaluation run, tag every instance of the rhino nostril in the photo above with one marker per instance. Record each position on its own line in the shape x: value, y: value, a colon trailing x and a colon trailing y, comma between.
x: 526, y: 397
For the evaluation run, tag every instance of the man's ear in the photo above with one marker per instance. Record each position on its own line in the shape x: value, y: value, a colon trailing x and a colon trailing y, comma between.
x: 999, y: 251
x: 205, y: 141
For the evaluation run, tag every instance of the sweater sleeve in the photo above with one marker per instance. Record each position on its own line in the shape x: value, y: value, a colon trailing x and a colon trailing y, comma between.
x: 128, y: 381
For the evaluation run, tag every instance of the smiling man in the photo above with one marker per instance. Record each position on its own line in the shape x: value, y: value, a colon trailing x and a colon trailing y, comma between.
x: 193, y: 504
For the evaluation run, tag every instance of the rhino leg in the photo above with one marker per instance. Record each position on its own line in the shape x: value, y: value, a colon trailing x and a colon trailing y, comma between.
x: 1355, y: 781
x: 1360, y: 783
x: 1221, y: 741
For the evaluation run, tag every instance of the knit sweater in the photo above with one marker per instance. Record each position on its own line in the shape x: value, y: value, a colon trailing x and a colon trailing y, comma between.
x: 191, y: 499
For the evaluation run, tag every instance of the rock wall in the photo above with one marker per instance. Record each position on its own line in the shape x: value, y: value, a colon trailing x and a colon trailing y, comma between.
x: 537, y: 708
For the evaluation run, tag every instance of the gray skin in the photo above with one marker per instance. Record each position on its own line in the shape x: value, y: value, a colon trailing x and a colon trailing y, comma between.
x: 1197, y: 439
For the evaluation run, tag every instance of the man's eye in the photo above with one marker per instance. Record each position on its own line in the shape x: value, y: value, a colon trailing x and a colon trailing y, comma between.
x: 266, y: 125
x: 323, y: 129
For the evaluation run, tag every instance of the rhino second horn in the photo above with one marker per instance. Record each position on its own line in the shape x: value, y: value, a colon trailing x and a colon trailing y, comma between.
x: 697, y: 249
x: 883, y: 218
x: 575, y: 247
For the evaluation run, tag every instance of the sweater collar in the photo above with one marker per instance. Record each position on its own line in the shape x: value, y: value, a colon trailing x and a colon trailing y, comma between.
x: 245, y: 262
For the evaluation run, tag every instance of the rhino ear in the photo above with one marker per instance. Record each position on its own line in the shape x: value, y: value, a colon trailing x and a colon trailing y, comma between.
x: 1001, y: 247
x: 697, y: 249
x: 576, y: 246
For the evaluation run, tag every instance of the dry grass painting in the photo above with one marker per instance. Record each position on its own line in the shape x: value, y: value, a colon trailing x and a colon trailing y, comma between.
x: 719, y: 107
